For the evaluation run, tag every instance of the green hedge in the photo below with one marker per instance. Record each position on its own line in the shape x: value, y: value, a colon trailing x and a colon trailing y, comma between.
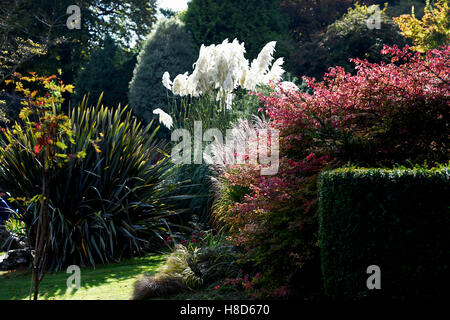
x: 396, y: 219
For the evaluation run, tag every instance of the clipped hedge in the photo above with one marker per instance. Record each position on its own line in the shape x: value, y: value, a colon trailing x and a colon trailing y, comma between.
x: 396, y: 219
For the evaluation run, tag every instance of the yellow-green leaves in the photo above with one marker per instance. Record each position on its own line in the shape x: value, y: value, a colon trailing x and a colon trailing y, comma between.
x: 81, y: 154
x: 432, y: 31
x: 61, y: 145
x: 25, y: 113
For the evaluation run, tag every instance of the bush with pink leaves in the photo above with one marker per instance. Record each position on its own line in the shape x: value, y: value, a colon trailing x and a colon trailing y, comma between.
x: 381, y: 115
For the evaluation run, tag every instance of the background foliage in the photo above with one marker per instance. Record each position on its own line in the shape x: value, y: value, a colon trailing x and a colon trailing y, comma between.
x: 168, y: 48
x: 109, y: 70
x: 44, y: 22
x: 347, y: 37
x: 254, y: 22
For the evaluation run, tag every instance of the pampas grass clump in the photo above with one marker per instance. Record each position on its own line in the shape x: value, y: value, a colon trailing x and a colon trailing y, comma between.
x: 173, y: 277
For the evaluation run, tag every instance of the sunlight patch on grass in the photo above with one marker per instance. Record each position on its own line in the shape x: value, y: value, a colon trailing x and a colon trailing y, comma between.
x: 106, y: 282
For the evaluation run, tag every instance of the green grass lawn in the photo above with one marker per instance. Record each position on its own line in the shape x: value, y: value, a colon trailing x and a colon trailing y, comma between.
x: 106, y: 282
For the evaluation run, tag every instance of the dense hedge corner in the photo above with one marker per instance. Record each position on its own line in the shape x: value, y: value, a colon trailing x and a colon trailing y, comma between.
x: 396, y: 219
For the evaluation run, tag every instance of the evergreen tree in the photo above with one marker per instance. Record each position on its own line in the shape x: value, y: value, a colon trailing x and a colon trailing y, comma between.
x: 169, y: 48
x: 109, y: 70
x: 254, y: 22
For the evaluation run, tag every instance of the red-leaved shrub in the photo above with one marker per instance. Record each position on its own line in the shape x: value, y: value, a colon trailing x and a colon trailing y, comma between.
x: 383, y: 114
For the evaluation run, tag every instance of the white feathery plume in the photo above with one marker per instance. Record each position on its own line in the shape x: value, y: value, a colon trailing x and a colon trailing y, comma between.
x: 180, y: 85
x: 166, y: 81
x: 276, y: 72
x: 245, y: 135
x: 262, y: 62
x: 164, y: 118
x: 260, y: 66
x: 229, y: 101
x: 222, y: 68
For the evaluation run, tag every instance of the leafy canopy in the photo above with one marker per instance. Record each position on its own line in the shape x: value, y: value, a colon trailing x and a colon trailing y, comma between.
x: 430, y: 32
x: 43, y: 24
x: 255, y: 22
x: 345, y: 38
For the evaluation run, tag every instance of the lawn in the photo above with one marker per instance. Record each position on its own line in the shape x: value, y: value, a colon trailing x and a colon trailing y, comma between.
x: 107, y: 282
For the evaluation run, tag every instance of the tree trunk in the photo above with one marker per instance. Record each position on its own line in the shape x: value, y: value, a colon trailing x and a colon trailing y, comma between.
x: 41, y: 243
